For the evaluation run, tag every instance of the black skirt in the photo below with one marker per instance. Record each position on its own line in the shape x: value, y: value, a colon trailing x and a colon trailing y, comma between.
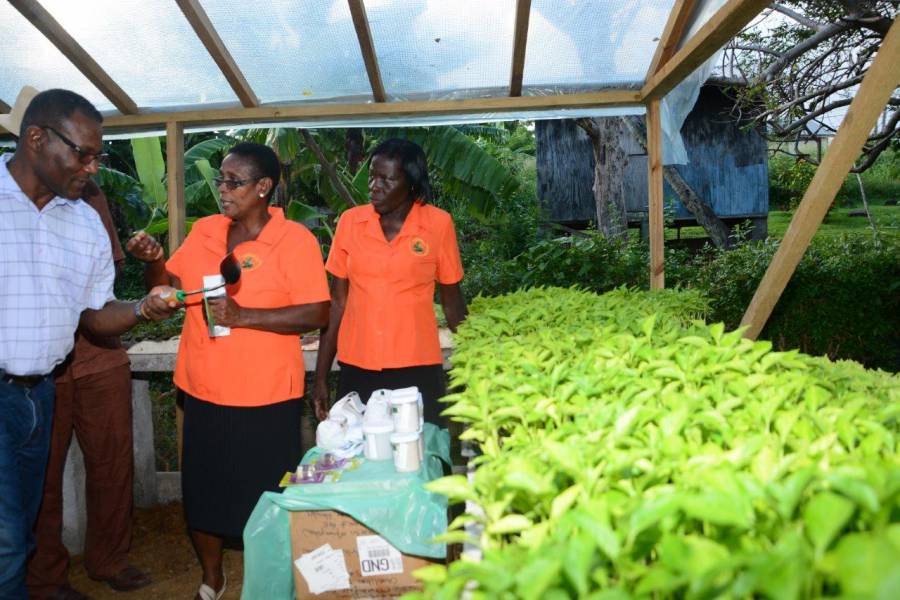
x: 429, y: 379
x: 231, y: 455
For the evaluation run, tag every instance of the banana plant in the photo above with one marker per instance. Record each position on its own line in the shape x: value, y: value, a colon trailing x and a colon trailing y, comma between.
x: 201, y: 194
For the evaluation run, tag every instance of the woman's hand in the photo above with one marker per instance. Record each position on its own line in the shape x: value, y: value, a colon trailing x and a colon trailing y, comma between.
x: 145, y: 248
x: 226, y: 311
x: 321, y: 398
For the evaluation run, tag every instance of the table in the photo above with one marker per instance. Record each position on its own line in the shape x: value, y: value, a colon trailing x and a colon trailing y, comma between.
x: 394, y: 505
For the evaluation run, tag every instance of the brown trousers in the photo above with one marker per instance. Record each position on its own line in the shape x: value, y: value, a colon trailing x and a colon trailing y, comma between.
x: 98, y: 408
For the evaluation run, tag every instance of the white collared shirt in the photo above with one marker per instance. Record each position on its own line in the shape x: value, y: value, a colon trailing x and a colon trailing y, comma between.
x: 54, y: 263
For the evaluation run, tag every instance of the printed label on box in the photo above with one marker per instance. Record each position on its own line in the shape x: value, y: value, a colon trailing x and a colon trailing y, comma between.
x: 377, y: 556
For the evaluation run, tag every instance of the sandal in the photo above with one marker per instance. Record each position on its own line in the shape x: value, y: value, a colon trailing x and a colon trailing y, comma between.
x: 207, y: 593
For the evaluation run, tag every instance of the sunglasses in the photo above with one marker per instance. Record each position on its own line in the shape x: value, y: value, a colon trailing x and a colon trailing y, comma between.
x: 84, y: 156
x: 233, y: 184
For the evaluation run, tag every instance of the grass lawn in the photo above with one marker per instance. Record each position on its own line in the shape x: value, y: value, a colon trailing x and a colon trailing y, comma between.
x: 837, y: 223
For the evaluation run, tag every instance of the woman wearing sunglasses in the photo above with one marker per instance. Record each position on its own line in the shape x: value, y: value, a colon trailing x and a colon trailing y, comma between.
x: 243, y: 389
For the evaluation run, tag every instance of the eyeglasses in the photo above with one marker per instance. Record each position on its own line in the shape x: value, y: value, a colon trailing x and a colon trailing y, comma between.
x: 233, y: 184
x: 84, y: 156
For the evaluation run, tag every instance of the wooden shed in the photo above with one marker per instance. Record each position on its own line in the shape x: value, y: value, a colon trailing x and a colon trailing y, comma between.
x: 728, y: 167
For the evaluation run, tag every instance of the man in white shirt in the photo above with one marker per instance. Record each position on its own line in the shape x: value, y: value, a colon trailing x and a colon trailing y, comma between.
x: 56, y: 272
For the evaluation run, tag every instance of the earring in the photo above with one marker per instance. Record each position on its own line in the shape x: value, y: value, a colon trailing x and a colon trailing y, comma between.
x: 262, y: 195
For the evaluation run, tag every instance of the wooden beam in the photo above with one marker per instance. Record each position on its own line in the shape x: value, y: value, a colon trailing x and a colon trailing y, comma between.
x: 364, y: 111
x: 671, y: 35
x: 655, y: 196
x: 175, y: 181
x: 876, y: 88
x: 78, y: 56
x: 520, y: 42
x: 204, y: 29
x: 720, y: 28
x: 367, y: 47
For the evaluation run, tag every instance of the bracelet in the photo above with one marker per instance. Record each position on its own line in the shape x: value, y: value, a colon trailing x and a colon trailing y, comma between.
x: 139, y: 313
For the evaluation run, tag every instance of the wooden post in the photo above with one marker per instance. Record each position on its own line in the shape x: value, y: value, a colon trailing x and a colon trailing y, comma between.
x: 655, y: 196
x: 877, y: 86
x: 175, y: 177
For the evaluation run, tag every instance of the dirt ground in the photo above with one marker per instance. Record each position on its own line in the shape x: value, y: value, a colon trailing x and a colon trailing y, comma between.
x: 161, y: 547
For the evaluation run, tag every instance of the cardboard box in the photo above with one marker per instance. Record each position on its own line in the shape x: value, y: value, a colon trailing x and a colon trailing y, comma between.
x: 312, y: 529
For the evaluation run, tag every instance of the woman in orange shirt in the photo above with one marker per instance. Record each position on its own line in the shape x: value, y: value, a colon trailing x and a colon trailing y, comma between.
x: 385, y: 260
x: 242, y: 390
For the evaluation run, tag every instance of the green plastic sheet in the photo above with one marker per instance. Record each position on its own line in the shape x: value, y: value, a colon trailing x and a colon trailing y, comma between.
x: 394, y: 505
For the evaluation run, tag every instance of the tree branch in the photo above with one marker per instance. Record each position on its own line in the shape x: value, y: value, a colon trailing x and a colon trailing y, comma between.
x: 806, y: 45
x: 801, y: 19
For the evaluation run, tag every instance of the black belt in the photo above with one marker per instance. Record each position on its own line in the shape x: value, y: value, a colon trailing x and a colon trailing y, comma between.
x: 26, y: 381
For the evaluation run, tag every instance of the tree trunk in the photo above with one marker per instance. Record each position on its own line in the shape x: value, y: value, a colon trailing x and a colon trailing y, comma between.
x: 609, y: 174
x: 328, y: 168
x: 714, y: 226
x: 353, y: 144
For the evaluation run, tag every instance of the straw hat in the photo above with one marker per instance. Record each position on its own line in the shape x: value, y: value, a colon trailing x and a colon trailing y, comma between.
x: 13, y: 120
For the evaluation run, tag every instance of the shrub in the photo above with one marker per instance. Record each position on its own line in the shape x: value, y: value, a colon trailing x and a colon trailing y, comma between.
x: 588, y: 260
x: 842, y: 301
x: 630, y: 451
x: 788, y: 179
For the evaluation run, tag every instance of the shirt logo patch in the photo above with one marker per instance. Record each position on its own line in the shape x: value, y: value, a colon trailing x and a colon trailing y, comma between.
x: 419, y: 246
x: 250, y: 262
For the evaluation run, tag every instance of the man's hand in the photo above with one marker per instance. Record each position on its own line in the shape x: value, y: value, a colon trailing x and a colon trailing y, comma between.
x: 155, y: 307
x: 145, y: 248
x: 225, y: 311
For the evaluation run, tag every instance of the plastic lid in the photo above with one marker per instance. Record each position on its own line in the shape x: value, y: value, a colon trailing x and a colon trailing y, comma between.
x: 378, y: 427
x: 404, y: 399
x: 402, y: 438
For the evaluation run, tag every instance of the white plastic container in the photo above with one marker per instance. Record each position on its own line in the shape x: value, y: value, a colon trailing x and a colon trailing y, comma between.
x: 405, y: 410
x: 378, y: 408
x: 378, y: 440
x: 406, y: 452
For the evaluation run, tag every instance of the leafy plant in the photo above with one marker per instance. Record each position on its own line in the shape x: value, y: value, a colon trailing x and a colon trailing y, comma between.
x: 630, y: 450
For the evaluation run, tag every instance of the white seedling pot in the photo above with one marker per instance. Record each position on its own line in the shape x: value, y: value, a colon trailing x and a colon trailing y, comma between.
x: 405, y: 410
x: 378, y: 440
x: 406, y: 452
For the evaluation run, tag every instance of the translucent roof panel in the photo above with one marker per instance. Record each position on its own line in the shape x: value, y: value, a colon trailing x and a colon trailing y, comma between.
x: 148, y: 48
x: 442, y: 48
x: 590, y: 44
x: 290, y: 50
x: 30, y: 59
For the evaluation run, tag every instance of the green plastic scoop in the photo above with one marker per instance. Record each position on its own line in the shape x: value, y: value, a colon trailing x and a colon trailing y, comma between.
x: 231, y: 273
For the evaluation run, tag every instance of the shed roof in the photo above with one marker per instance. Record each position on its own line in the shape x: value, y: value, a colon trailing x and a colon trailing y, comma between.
x: 226, y: 62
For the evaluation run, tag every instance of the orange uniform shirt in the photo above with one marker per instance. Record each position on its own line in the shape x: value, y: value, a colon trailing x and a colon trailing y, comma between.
x: 281, y: 267
x: 389, y: 319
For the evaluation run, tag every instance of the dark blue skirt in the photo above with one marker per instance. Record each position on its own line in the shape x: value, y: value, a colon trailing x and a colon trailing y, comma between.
x: 230, y: 456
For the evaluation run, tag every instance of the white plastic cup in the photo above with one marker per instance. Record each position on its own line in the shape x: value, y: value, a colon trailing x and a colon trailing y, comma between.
x: 406, y: 452
x: 378, y: 440
x: 405, y: 411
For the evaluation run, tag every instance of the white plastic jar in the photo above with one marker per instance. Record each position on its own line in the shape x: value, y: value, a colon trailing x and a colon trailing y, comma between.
x: 405, y: 411
x: 406, y: 452
x: 378, y: 440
